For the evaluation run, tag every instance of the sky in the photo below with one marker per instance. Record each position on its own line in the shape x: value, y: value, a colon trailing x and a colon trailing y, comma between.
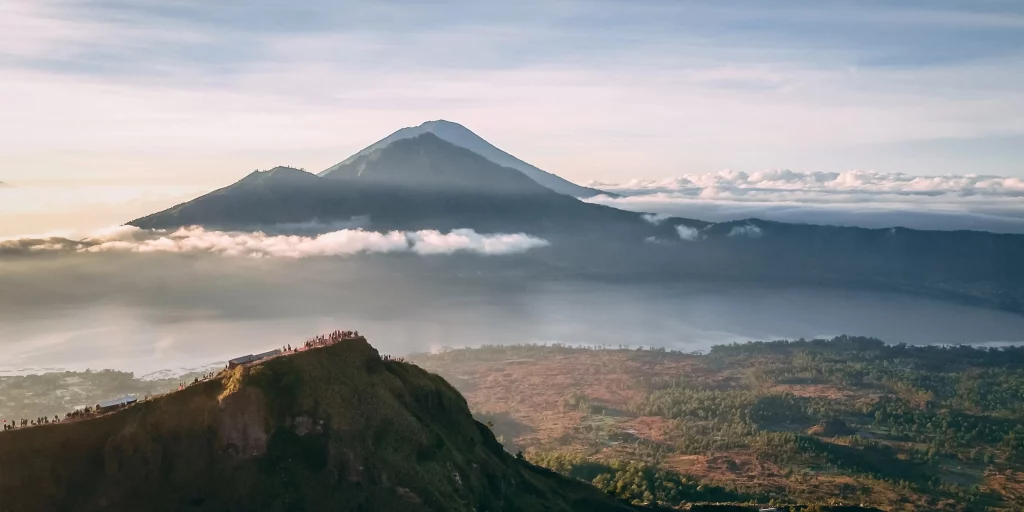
x: 126, y: 106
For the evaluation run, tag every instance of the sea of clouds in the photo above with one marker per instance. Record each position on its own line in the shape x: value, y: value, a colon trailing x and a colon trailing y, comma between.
x: 854, y: 198
x: 823, y: 184
x: 345, y: 242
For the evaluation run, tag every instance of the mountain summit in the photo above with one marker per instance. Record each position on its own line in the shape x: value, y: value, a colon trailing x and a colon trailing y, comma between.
x: 463, y: 137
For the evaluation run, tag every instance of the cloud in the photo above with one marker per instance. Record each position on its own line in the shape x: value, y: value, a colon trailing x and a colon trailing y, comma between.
x: 346, y: 242
x: 748, y: 230
x: 655, y: 218
x: 688, y: 233
x: 434, y: 242
x: 685, y: 232
x: 854, y: 198
x: 232, y: 79
x: 827, y: 185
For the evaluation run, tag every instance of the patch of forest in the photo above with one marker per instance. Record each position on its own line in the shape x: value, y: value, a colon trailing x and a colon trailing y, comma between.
x: 849, y: 419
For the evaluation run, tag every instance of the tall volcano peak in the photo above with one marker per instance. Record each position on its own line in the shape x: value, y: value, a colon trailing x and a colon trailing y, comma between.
x: 463, y: 137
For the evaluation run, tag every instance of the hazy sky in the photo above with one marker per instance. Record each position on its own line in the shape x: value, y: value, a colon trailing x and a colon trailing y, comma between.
x: 180, y: 91
x: 158, y: 100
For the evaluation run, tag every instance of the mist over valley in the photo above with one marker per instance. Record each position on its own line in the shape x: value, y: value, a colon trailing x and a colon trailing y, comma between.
x: 150, y: 312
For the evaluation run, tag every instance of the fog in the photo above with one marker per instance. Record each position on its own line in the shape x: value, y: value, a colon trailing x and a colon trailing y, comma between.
x: 149, y: 312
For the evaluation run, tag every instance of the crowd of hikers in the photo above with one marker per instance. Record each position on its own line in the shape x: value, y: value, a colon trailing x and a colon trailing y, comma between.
x: 202, y: 378
x: 328, y: 339
x: 42, y: 420
x: 45, y: 420
x: 85, y: 412
x: 323, y: 340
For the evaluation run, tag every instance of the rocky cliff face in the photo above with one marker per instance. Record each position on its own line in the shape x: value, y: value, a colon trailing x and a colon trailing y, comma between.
x: 335, y: 428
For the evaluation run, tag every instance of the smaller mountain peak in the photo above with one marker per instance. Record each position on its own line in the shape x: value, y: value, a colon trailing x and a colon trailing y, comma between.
x: 285, y: 168
x: 277, y: 174
x: 287, y: 172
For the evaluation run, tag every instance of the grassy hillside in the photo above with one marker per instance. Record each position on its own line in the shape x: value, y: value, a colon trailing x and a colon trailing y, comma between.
x: 848, y: 420
x: 336, y: 428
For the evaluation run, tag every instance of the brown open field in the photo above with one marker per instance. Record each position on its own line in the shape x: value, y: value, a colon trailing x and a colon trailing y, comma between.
x: 585, y: 401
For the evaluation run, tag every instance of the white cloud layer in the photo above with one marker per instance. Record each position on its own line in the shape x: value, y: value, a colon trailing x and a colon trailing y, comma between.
x: 848, y: 184
x: 346, y: 242
x: 655, y: 218
x: 856, y: 198
x: 687, y: 233
x: 748, y: 230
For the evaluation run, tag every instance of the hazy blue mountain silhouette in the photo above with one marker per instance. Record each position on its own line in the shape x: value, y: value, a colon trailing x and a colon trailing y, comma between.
x: 463, y: 137
x: 424, y: 182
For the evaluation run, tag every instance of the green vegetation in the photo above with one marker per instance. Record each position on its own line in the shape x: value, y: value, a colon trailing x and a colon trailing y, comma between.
x: 803, y: 425
x: 927, y: 411
x: 637, y: 482
x: 849, y: 419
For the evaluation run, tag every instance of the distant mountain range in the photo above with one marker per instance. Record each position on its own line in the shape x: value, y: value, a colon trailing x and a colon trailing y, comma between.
x: 418, y: 179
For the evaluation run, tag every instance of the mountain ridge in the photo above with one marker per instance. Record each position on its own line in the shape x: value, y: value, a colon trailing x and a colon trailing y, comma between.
x: 338, y: 427
x: 422, y: 182
x: 411, y: 162
x: 461, y: 136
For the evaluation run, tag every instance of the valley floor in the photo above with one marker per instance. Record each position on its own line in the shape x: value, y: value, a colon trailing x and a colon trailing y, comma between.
x: 849, y: 420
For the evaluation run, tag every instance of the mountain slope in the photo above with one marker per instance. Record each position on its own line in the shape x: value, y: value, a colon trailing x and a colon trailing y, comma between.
x: 461, y: 136
x: 337, y: 428
x: 422, y: 182
x: 429, y: 163
x: 281, y: 195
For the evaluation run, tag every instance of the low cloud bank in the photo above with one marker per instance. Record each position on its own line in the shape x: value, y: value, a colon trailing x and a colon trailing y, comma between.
x: 687, y: 233
x: 733, y: 183
x: 196, y: 240
x: 656, y: 218
x: 748, y: 230
x: 852, y: 198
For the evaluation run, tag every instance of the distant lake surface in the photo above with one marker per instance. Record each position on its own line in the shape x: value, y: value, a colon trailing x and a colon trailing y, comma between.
x: 167, y: 313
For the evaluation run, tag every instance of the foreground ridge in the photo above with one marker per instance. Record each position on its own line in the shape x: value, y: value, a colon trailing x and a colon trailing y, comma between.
x: 336, y: 426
